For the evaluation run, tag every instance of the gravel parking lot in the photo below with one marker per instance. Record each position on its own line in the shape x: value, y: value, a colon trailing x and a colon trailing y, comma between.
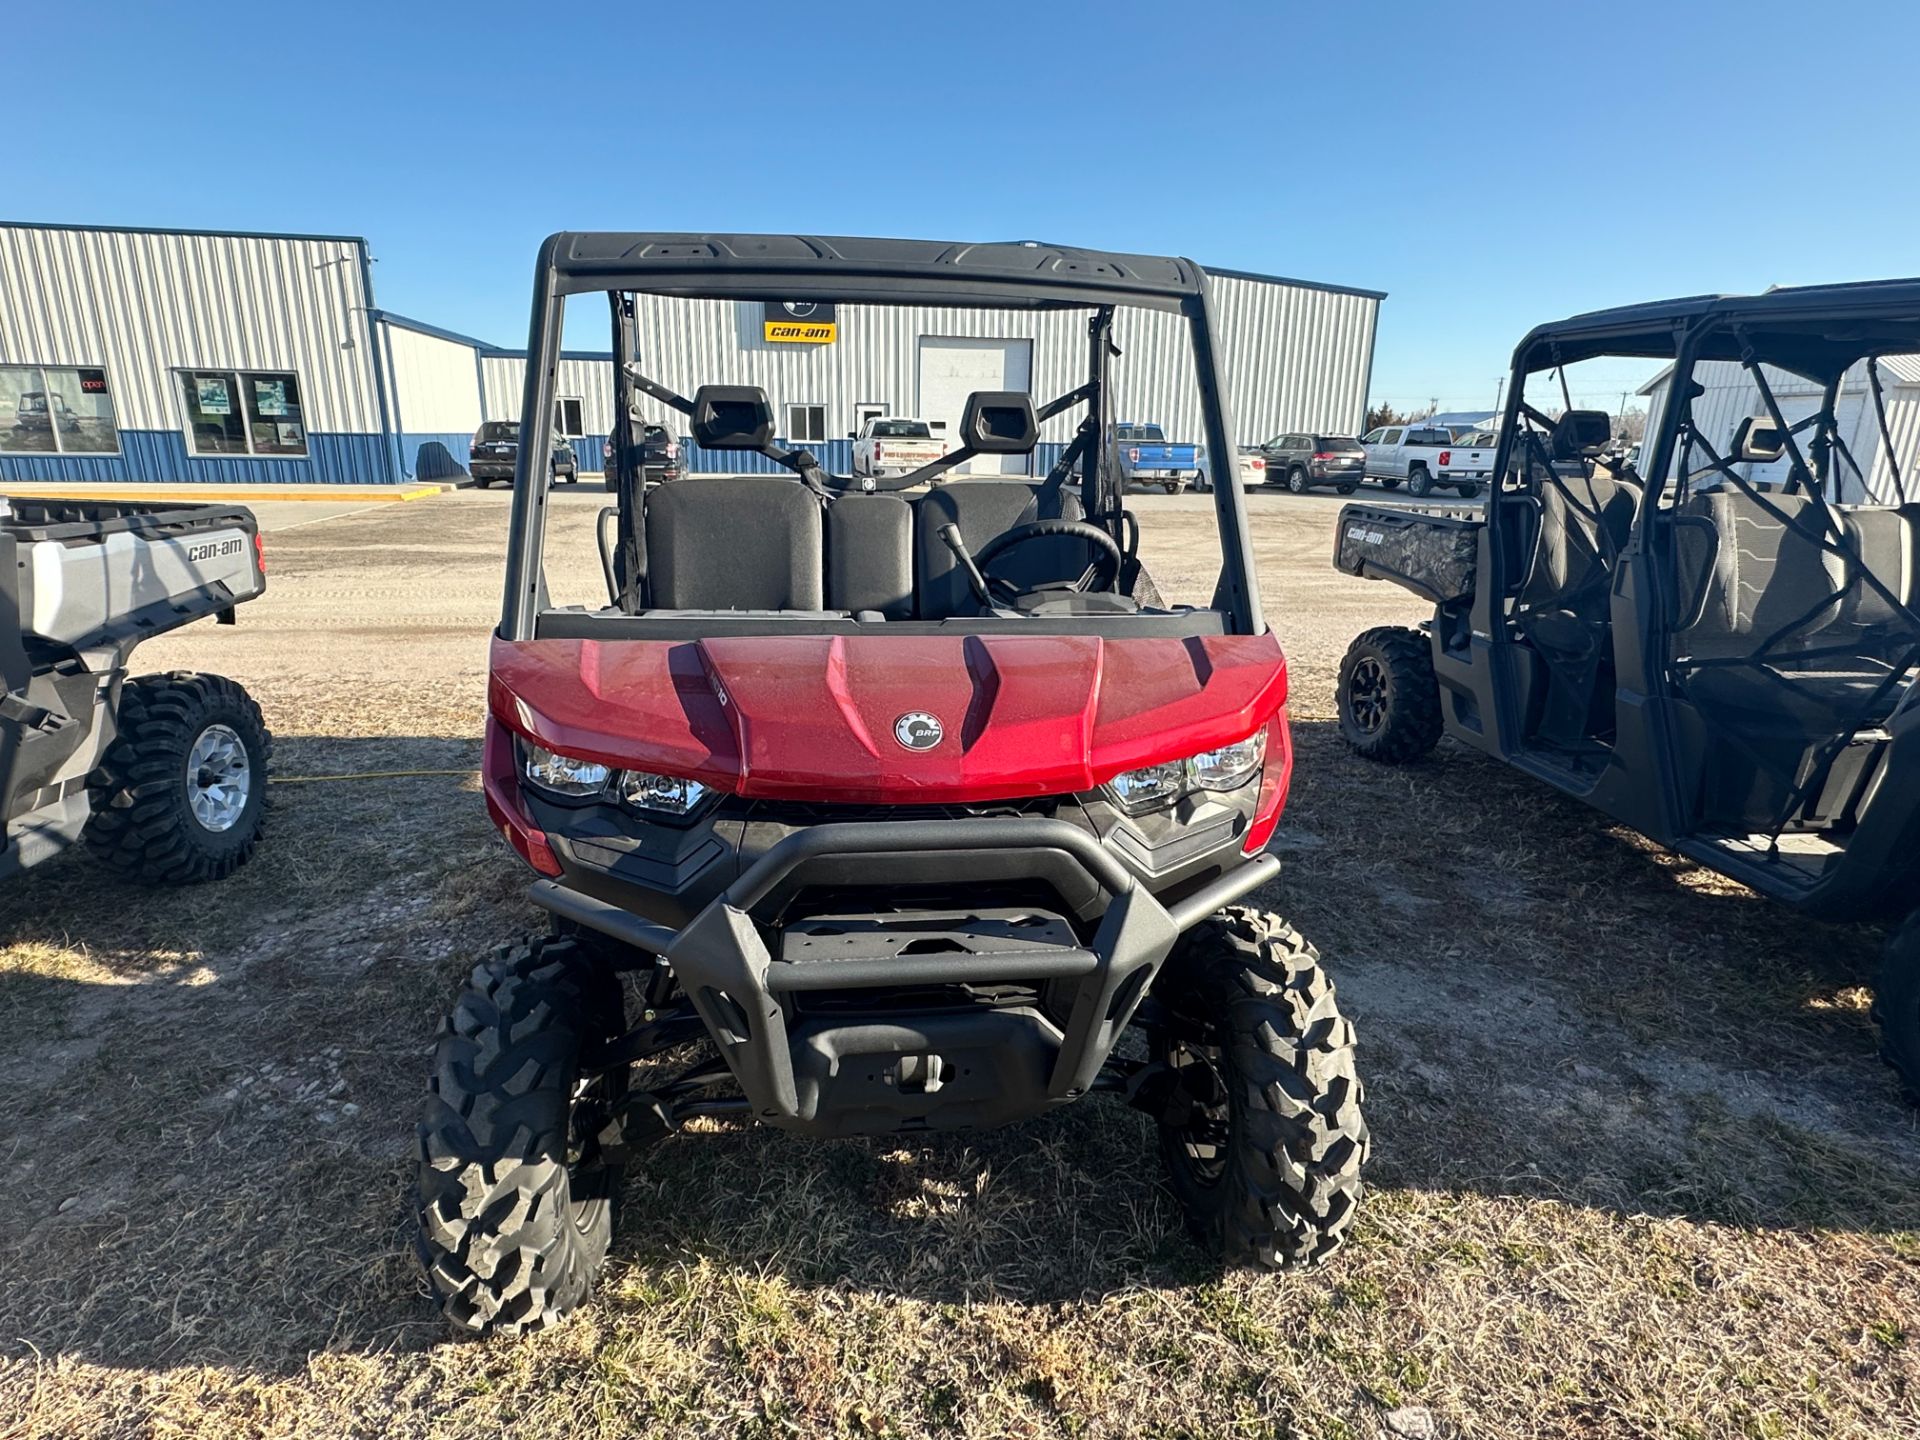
x: 1637, y: 1168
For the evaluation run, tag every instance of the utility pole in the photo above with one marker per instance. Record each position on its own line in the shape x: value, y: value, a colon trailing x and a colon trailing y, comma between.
x: 1499, y: 393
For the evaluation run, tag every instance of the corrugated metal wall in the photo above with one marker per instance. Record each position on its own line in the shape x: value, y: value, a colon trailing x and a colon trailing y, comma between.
x: 1298, y: 356
x: 144, y: 303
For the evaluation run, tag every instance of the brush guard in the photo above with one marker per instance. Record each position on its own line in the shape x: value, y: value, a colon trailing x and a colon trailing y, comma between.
x: 832, y: 1073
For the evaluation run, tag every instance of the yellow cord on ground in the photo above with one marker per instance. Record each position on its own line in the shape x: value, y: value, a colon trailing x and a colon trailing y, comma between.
x: 367, y: 775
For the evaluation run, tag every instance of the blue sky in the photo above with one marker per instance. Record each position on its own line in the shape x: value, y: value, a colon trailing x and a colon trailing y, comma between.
x: 1490, y: 166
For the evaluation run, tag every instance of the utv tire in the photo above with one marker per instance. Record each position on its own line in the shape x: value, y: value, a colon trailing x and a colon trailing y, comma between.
x: 181, y: 794
x: 1468, y: 492
x: 516, y: 1204
x: 1388, y: 700
x: 1264, y: 1138
x: 1896, y: 1004
x: 1419, y: 483
x: 1297, y: 480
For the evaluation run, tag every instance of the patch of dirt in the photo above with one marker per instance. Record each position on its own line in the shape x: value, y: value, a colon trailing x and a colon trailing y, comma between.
x: 1638, y: 1170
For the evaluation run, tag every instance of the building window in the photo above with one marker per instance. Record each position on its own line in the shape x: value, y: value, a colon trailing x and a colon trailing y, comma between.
x: 244, y: 412
x: 569, y: 414
x: 56, y: 410
x: 806, y: 424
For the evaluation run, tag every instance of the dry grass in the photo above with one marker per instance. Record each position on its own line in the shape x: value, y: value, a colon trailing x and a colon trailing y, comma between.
x: 1638, y: 1172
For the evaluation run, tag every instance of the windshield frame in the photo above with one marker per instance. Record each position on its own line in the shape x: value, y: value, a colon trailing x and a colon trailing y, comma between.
x: 877, y: 272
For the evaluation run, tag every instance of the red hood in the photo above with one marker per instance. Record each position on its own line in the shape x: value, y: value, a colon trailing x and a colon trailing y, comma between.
x: 812, y: 717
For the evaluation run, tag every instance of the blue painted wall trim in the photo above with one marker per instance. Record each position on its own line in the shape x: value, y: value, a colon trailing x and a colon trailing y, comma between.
x: 160, y: 457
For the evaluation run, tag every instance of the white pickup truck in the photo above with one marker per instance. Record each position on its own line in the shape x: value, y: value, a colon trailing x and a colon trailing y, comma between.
x: 894, y: 445
x: 1425, y: 457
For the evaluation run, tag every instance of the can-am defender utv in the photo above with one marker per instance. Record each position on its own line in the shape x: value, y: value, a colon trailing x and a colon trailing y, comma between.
x: 164, y: 776
x: 901, y: 808
x: 1718, y: 649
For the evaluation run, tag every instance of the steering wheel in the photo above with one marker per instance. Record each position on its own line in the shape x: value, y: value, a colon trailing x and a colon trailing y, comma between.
x: 1112, y: 556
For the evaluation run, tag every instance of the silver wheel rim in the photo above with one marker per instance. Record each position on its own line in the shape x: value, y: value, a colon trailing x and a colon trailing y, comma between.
x: 219, y: 778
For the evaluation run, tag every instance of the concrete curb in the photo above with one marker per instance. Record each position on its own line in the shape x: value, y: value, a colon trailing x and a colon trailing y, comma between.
x: 227, y: 494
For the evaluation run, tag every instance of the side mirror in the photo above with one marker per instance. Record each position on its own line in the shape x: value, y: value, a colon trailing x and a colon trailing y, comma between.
x: 732, y: 417
x: 1759, y: 441
x: 1579, y: 433
x: 999, y: 422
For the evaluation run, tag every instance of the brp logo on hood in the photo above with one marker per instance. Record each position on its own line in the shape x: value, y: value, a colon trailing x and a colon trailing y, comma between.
x: 918, y: 730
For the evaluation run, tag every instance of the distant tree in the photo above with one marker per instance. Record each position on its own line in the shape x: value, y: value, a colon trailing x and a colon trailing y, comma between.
x: 1384, y: 414
x: 1630, y: 427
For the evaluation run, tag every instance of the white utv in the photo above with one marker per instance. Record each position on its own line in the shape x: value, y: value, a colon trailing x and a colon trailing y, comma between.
x: 165, y: 775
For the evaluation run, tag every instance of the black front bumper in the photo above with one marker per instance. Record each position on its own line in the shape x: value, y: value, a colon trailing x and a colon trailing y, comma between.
x: 817, y: 1035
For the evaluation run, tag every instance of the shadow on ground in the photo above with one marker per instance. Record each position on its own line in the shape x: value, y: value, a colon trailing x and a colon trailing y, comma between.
x: 212, y: 1094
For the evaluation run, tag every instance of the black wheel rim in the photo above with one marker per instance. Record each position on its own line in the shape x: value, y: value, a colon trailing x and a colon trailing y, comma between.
x: 1367, y: 694
x: 1204, y: 1134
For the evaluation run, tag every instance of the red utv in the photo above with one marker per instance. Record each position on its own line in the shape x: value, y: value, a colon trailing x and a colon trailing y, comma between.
x: 893, y: 805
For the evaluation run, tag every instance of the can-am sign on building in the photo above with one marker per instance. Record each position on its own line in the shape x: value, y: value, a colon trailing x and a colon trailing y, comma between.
x: 799, y: 322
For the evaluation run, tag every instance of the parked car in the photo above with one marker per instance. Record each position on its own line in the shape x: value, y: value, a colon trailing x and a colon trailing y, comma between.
x: 1147, y: 457
x: 1252, y: 468
x: 1425, y: 456
x: 1301, y: 462
x: 894, y: 445
x: 659, y: 457
x: 496, y: 449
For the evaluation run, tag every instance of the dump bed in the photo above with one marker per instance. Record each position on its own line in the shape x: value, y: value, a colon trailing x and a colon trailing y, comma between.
x: 94, y: 570
x: 1433, y: 551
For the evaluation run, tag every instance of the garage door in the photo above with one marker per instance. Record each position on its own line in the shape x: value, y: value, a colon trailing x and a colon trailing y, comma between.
x: 952, y: 367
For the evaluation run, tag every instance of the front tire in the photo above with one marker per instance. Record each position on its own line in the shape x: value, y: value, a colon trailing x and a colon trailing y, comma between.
x: 1388, y: 699
x: 515, y: 1201
x: 181, y: 795
x: 1896, y: 1004
x: 1263, y: 1137
x: 1389, y: 484
x: 1420, y: 483
x: 1468, y: 492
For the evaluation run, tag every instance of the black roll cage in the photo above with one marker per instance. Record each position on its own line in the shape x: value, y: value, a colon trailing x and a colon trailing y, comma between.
x: 875, y: 272
x: 1816, y: 332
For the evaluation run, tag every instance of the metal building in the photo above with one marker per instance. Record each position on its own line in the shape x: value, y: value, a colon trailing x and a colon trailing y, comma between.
x: 1729, y: 395
x: 171, y: 355
x: 154, y: 355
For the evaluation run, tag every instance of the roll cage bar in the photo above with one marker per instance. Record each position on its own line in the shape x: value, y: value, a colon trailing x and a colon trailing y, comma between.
x: 875, y: 272
x: 1819, y: 332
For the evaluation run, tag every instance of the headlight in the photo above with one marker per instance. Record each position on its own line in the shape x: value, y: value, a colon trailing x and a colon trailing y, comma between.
x: 1149, y: 788
x: 1153, y: 787
x: 1230, y: 766
x: 584, y: 779
x: 562, y: 774
x: 668, y: 794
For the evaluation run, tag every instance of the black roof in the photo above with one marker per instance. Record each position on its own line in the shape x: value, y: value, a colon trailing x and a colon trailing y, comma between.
x: 1814, y: 330
x: 1021, y: 275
